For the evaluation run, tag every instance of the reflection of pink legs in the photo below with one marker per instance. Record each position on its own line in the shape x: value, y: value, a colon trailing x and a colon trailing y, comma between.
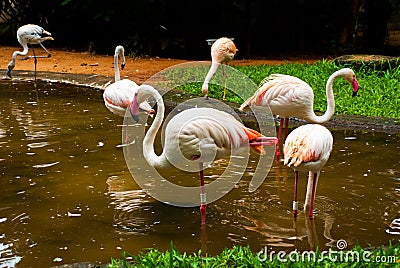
x: 202, y: 196
x: 295, y: 203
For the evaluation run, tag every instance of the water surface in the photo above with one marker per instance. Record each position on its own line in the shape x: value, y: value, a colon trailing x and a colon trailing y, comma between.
x: 67, y: 196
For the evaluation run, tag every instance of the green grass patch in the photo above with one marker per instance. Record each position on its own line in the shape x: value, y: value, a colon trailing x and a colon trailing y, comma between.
x: 239, y: 256
x: 379, y: 93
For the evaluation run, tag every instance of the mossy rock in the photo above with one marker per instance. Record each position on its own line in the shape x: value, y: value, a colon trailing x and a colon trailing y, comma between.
x: 377, y: 62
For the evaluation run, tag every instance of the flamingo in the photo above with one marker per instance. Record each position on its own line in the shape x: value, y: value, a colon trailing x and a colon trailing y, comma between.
x: 307, y: 148
x: 118, y: 95
x: 290, y: 96
x: 29, y: 34
x: 209, y: 130
x: 223, y: 50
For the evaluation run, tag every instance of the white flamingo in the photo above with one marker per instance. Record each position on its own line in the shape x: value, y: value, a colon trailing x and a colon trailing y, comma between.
x: 29, y: 34
x: 119, y: 95
x: 223, y: 50
x: 290, y: 96
x: 307, y: 148
x: 209, y: 130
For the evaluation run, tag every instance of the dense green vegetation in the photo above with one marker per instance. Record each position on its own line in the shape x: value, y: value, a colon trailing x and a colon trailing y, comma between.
x: 379, y: 93
x: 239, y: 256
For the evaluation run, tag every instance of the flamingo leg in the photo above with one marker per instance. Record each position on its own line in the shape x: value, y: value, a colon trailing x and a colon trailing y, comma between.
x: 277, y: 152
x: 34, y: 60
x: 314, y: 187
x: 224, y: 72
x: 203, y: 204
x: 286, y: 127
x: 295, y: 203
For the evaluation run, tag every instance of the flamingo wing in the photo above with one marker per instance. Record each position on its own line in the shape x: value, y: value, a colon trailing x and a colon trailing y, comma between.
x: 33, y: 34
x: 311, y: 143
x: 284, y: 94
x: 208, y: 129
x: 119, y: 95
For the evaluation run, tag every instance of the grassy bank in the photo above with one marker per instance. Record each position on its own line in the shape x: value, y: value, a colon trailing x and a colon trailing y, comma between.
x: 239, y: 256
x: 379, y: 93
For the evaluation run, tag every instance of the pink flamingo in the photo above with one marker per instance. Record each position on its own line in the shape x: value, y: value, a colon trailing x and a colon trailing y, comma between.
x: 307, y: 148
x: 209, y: 130
x: 119, y: 95
x: 223, y: 50
x: 29, y: 34
x: 290, y: 96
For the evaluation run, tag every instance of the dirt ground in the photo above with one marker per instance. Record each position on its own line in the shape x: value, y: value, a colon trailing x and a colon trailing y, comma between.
x: 138, y: 70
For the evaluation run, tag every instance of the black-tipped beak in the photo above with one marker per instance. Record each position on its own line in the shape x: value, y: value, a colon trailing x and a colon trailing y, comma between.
x: 136, y: 118
x: 354, y: 93
x: 122, y: 66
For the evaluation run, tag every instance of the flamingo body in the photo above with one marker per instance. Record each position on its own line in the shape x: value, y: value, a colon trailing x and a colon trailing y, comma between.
x: 197, y: 133
x: 289, y: 96
x: 119, y: 95
x: 223, y: 50
x: 307, y: 148
x: 29, y: 34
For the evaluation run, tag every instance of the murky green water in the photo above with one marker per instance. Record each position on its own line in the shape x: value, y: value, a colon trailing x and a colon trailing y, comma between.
x: 67, y: 196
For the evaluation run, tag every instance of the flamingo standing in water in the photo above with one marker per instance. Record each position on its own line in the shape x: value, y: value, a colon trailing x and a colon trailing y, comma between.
x: 223, y: 50
x: 119, y: 95
x: 307, y: 148
x: 29, y: 34
x: 290, y: 96
x: 207, y: 132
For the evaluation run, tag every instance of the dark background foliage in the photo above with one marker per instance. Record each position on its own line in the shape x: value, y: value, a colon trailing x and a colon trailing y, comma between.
x: 261, y: 28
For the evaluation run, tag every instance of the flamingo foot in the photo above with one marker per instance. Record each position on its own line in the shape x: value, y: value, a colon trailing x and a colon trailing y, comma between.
x: 203, y: 213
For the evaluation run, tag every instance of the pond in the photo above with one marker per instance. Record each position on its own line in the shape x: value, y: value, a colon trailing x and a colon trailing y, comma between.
x: 67, y: 196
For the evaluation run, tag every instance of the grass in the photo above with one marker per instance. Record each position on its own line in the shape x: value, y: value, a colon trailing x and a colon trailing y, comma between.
x: 379, y: 93
x: 240, y: 256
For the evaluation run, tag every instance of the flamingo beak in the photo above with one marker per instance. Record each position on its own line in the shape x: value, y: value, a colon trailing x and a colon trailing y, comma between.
x: 134, y: 109
x: 355, y: 86
x: 122, y: 66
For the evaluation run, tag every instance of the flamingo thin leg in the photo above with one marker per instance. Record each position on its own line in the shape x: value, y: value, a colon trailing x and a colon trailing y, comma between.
x: 295, y: 203
x: 314, y: 186
x: 226, y: 78
x: 203, y: 204
x: 278, y: 145
x: 34, y: 60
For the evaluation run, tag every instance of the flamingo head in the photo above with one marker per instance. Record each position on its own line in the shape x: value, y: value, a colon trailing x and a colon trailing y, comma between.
x: 204, y: 90
x: 134, y: 108
x: 350, y: 76
x: 11, y: 66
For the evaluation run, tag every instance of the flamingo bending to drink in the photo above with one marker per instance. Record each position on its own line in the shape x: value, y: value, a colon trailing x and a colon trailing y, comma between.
x: 223, y: 50
x: 29, y: 34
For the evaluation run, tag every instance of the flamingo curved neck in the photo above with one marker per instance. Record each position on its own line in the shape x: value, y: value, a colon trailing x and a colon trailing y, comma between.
x: 330, y: 109
x: 16, y: 53
x: 116, y: 67
x: 211, y: 72
x: 148, y: 142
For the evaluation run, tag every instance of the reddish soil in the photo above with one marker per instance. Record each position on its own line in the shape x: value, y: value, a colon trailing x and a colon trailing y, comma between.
x: 138, y: 70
